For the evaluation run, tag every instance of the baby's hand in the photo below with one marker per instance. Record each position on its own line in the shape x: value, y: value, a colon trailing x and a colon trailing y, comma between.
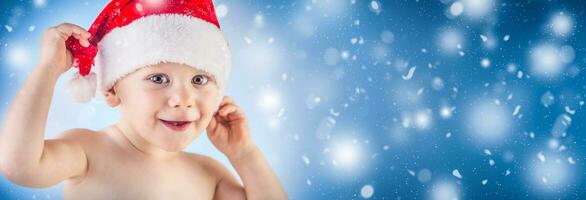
x: 54, y: 53
x: 228, y: 130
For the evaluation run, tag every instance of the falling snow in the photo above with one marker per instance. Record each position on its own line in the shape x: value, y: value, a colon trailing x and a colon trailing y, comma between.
x: 8, y: 28
x: 457, y: 174
x: 409, y: 74
x: 487, y: 152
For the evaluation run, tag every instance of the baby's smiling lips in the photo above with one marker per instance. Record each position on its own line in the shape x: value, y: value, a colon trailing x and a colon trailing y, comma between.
x: 176, y: 125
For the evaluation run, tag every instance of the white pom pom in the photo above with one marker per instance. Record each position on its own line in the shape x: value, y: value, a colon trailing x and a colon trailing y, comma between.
x: 82, y: 88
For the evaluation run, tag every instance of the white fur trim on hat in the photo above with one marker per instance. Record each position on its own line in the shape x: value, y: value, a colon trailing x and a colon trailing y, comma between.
x: 162, y: 38
x: 82, y: 88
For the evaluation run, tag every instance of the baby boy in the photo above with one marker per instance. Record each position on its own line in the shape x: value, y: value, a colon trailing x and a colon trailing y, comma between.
x: 164, y: 65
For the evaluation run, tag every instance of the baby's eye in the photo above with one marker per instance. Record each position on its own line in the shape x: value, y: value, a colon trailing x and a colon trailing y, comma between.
x: 159, y: 78
x: 199, y: 79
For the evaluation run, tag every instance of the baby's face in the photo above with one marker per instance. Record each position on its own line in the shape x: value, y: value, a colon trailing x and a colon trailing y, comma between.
x: 154, y: 97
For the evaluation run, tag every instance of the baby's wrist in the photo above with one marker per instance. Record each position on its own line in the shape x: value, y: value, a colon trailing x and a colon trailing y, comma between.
x: 49, y: 71
x: 247, y: 153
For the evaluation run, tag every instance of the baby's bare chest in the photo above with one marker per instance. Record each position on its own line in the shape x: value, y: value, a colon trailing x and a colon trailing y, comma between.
x: 120, y: 177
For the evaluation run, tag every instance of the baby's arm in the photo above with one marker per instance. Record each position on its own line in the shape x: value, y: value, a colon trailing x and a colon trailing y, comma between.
x: 25, y: 157
x: 228, y: 131
x: 259, y: 180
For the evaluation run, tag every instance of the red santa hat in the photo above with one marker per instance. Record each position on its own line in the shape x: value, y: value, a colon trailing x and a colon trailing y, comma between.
x: 128, y: 35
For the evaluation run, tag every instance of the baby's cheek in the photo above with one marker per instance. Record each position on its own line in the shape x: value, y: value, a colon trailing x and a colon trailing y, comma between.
x: 209, y: 103
x: 208, y: 115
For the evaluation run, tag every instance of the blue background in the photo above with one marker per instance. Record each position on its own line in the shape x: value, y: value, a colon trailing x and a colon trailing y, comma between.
x: 331, y: 103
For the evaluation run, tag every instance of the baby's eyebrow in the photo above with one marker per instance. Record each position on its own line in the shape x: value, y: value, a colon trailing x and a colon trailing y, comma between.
x: 202, y: 72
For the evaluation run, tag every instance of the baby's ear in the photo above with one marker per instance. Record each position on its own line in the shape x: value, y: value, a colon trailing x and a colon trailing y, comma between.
x: 111, y: 98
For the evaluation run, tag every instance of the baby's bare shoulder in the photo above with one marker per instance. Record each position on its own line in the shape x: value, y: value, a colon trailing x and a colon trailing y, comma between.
x: 80, y: 135
x: 201, y: 160
x: 86, y: 138
x: 76, y: 133
x: 208, y: 163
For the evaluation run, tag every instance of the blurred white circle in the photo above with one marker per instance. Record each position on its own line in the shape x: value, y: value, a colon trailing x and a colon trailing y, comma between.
x: 422, y: 119
x: 387, y: 37
x: 424, y: 176
x: 437, y: 83
x: 450, y: 40
x: 561, y: 24
x: 444, y: 191
x: 456, y: 8
x: 485, y: 63
x: 367, y: 191
x: 549, y: 172
x: 40, y: 3
x: 18, y: 56
x: 546, y: 61
x: 478, y: 8
x: 567, y: 54
x: 446, y: 112
x: 489, y: 122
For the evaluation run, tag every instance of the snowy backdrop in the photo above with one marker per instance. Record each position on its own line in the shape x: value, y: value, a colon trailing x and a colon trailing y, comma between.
x: 373, y: 99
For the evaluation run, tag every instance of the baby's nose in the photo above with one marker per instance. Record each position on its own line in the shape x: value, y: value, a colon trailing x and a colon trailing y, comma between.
x: 182, y: 98
x: 187, y: 105
x: 180, y: 103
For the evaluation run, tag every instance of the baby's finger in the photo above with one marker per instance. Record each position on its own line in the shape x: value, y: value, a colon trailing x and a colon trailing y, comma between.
x: 231, y: 113
x: 76, y: 31
x: 227, y: 100
x: 82, y: 40
x: 72, y: 28
x: 230, y: 108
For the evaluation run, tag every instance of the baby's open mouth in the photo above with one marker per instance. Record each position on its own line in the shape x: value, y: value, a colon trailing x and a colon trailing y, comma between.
x: 176, y: 125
